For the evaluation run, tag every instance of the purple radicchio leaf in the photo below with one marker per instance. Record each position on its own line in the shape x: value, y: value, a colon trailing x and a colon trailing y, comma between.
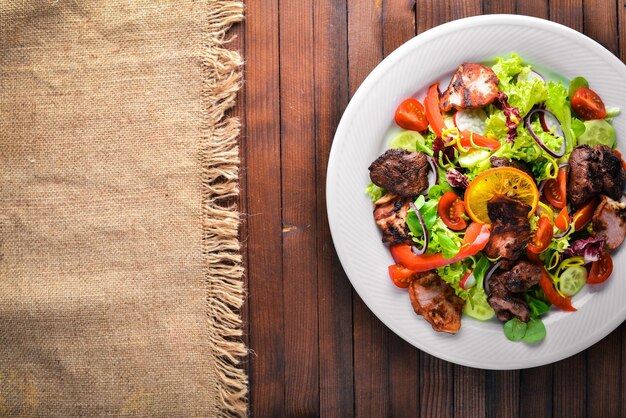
x: 456, y: 178
x: 438, y: 147
x: 512, y: 115
x: 589, y: 248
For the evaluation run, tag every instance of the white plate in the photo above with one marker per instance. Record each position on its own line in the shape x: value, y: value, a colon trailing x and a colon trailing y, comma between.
x: 362, y: 135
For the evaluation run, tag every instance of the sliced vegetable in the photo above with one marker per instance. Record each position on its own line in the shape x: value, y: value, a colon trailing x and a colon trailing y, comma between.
x: 562, y: 220
x: 476, y: 141
x: 587, y: 104
x: 451, y: 210
x: 472, y: 120
x: 572, y: 279
x: 468, y: 280
x: 473, y: 157
x: 542, y: 237
x: 407, y: 140
x: 575, y: 84
x: 479, y: 309
x: 476, y: 237
x: 410, y: 115
x: 433, y: 114
x: 563, y: 303
x: 558, y: 131
x: 424, y: 230
x: 401, y: 276
x: 555, y: 190
x: 601, y: 269
x: 583, y: 216
x: 598, y: 131
x: 488, y: 275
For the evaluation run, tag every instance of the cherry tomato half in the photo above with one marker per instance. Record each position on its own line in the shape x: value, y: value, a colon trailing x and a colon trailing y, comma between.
x: 543, y: 236
x: 555, y: 189
x: 401, y: 276
x: 601, y: 269
x: 587, y: 104
x: 583, y: 215
x: 562, y: 219
x: 410, y: 115
x: 450, y: 210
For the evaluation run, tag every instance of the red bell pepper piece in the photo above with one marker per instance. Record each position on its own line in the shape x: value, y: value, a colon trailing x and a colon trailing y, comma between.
x: 476, y: 237
x: 479, y: 140
x: 433, y: 114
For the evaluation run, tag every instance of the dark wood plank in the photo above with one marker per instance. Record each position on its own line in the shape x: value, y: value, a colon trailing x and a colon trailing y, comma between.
x: 431, y: 13
x: 267, y: 367
x: 436, y: 387
x: 502, y: 389
x: 334, y: 290
x: 536, y: 392
x: 600, y: 23
x: 498, y: 6
x: 298, y: 161
x: 537, y: 8
x: 365, y: 43
x: 621, y: 30
x: 568, y: 13
x: 469, y: 392
x: 465, y: 8
x: 403, y: 358
x: 604, y: 361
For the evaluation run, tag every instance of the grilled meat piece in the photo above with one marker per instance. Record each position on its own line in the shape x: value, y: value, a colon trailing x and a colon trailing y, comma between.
x: 594, y: 171
x: 436, y: 301
x: 521, y: 277
x: 503, y: 302
x: 473, y: 85
x: 390, y: 215
x: 510, y: 229
x: 609, y: 222
x: 505, y: 162
x: 401, y: 172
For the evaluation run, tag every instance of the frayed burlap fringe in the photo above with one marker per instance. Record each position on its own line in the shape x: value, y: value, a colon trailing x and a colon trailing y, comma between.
x: 220, y: 164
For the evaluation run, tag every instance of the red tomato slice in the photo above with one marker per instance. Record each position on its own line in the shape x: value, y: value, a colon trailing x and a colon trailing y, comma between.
x: 562, y: 220
x: 476, y: 237
x: 601, y: 269
x: 410, y: 115
x: 533, y: 258
x: 401, y: 276
x: 583, y: 215
x: 587, y: 104
x: 553, y: 296
x: 450, y: 209
x: 433, y: 114
x: 555, y: 190
x: 479, y: 140
x: 543, y: 236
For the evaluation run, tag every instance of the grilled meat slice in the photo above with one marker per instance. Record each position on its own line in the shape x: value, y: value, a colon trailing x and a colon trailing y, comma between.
x: 473, y: 85
x: 510, y: 229
x: 505, y: 162
x: 609, y: 222
x: 521, y: 277
x: 401, y: 172
x: 504, y: 303
x: 436, y: 301
x: 390, y: 215
x: 594, y: 171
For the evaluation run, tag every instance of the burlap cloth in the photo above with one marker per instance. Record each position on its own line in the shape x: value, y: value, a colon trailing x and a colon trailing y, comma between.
x: 120, y: 277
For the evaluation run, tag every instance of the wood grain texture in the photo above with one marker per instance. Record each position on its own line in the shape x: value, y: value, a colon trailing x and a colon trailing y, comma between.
x: 333, y: 288
x: 265, y: 300
x: 318, y: 350
x: 298, y: 164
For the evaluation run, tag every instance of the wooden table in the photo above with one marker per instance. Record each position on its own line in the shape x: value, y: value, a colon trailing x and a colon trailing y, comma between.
x: 317, y: 349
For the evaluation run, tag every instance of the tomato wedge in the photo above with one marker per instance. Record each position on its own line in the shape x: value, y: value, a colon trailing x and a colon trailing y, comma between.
x: 555, y: 190
x: 410, y: 115
x: 479, y: 141
x: 561, y: 302
x: 476, y: 238
x: 533, y: 258
x: 450, y: 210
x: 562, y: 219
x: 601, y: 269
x: 543, y: 236
x: 587, y: 104
x: 583, y: 215
x: 433, y: 114
x: 401, y: 276
x: 621, y: 158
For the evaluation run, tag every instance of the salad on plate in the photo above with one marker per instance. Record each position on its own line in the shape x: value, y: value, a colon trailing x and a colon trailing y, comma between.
x: 501, y: 197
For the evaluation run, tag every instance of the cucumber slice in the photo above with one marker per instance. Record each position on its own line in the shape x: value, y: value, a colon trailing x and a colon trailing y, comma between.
x: 598, y: 131
x: 481, y: 309
x: 572, y: 280
x: 406, y: 140
x: 473, y: 157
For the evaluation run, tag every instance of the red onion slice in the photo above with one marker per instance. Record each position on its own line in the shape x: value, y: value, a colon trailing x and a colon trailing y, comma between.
x: 562, y: 234
x: 555, y: 154
x: 488, y: 275
x: 420, y: 251
x: 433, y: 174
